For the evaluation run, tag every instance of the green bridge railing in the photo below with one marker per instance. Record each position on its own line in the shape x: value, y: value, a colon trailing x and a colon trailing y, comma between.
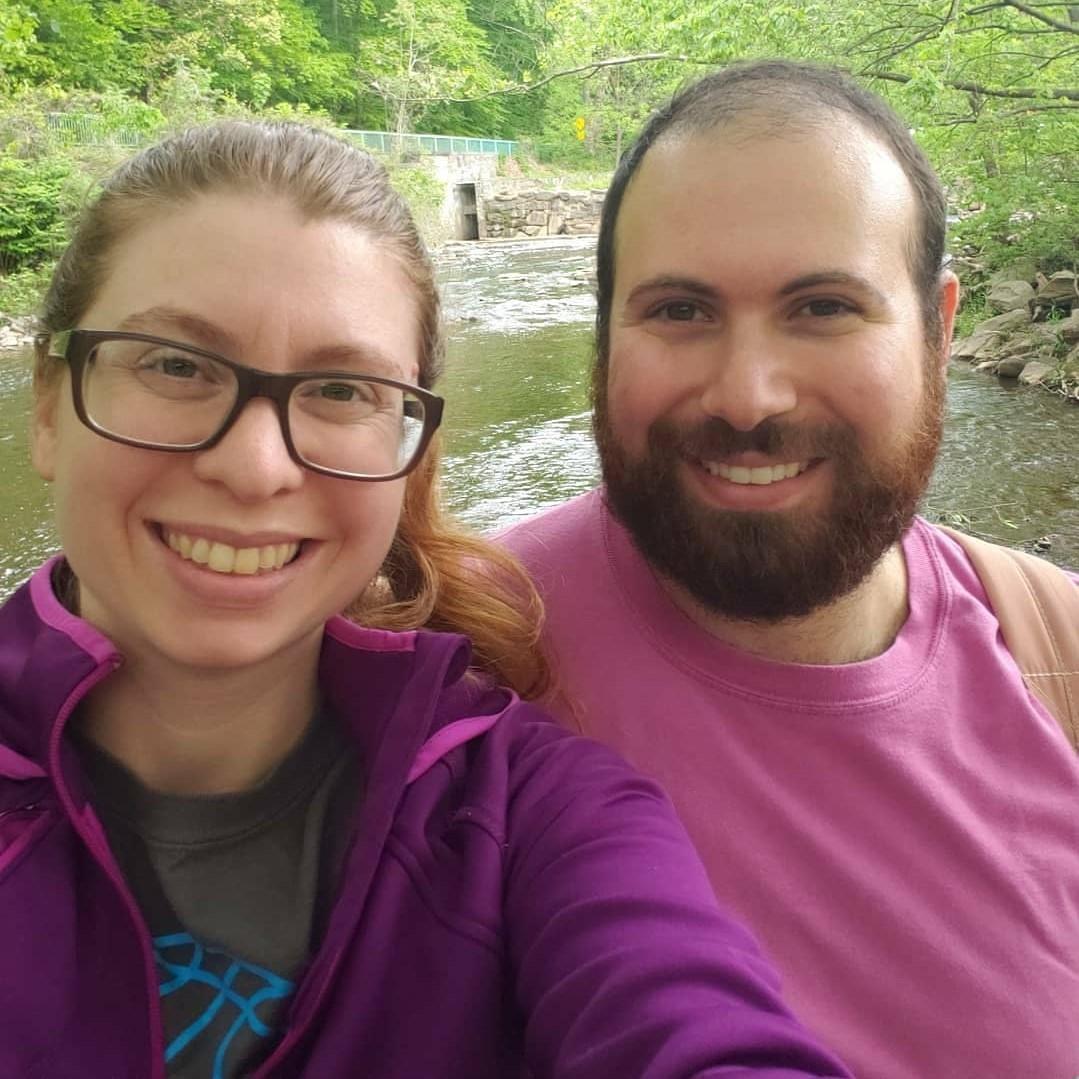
x: 90, y: 130
x: 388, y: 142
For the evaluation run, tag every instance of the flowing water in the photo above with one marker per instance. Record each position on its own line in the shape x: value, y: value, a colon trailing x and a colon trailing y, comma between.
x: 517, y: 425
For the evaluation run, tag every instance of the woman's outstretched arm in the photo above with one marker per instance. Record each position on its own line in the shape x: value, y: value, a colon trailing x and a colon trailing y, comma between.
x: 625, y: 964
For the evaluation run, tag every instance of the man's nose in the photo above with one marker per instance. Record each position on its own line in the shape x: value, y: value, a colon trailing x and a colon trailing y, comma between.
x: 748, y: 379
x: 252, y: 460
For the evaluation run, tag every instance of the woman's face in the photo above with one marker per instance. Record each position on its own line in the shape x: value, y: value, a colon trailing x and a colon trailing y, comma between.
x: 248, y: 278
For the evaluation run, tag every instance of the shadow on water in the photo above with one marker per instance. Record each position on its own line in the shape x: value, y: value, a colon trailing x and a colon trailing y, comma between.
x: 518, y: 435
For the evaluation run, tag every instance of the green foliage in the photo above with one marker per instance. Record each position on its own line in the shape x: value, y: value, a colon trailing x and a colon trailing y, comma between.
x: 424, y: 194
x: 33, y: 223
x: 17, y: 25
x: 973, y: 308
x: 424, y: 52
x: 21, y: 291
x: 991, y: 89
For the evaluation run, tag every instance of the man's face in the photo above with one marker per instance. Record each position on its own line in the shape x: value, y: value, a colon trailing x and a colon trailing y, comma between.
x: 771, y: 411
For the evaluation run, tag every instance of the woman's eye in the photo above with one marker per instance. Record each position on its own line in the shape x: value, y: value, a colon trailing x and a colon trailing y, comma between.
x: 173, y: 365
x: 338, y: 391
x: 178, y: 367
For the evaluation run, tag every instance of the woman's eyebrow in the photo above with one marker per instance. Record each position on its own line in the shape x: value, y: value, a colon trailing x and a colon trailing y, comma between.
x: 362, y: 357
x: 191, y: 326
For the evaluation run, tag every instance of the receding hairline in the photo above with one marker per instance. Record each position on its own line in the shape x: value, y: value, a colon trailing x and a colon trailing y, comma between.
x: 758, y: 122
x: 755, y: 123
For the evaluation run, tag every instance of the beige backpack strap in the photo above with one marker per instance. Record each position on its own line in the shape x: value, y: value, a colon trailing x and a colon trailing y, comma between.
x: 1037, y: 606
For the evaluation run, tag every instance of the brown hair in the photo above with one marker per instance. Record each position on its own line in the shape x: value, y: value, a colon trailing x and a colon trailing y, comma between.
x: 437, y: 574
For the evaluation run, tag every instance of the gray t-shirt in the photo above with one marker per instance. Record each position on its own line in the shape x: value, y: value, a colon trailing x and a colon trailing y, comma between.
x: 235, y: 890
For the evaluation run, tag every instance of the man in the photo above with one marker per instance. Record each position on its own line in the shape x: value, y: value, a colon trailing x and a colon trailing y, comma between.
x: 750, y: 610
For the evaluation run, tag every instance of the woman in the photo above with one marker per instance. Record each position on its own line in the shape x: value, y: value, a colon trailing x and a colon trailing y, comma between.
x: 238, y: 833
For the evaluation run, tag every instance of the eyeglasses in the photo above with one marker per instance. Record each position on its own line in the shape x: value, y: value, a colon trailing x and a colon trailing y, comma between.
x: 163, y: 395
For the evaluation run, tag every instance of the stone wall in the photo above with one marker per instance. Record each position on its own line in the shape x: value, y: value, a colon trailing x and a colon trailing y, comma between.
x: 507, y: 214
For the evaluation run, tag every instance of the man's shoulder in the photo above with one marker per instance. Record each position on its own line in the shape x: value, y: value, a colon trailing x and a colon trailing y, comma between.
x: 551, y: 535
x: 982, y: 554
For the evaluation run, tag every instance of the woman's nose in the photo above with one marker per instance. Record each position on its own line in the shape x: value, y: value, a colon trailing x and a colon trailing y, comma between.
x: 252, y: 460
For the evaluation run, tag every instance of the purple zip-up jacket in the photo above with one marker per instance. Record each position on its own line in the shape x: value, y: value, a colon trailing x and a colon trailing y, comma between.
x: 515, y: 898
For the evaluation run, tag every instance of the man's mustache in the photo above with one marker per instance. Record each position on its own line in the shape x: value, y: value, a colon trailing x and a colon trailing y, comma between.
x: 716, y: 438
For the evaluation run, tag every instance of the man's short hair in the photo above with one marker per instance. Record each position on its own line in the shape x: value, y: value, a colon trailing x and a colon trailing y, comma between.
x: 772, y: 97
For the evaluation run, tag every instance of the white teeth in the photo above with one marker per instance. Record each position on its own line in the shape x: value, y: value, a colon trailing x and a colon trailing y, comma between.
x: 223, y: 558
x: 760, y: 476
x: 247, y: 561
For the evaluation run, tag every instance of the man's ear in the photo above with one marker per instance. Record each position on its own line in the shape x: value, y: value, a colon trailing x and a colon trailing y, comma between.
x: 948, y: 304
x: 43, y: 434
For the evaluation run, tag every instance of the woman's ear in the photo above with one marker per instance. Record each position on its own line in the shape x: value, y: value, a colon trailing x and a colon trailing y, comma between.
x: 43, y: 435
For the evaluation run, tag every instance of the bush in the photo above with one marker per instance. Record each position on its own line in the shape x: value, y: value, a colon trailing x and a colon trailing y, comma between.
x: 424, y: 194
x: 33, y: 222
x: 21, y: 292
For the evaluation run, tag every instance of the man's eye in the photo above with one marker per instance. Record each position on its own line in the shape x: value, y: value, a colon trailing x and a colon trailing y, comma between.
x: 679, y: 311
x: 826, y: 308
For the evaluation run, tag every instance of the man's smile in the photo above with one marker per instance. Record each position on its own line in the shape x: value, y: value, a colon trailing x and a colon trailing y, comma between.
x: 760, y: 476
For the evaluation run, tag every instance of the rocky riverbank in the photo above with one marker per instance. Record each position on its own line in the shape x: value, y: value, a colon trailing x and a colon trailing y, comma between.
x: 16, y: 332
x: 1033, y: 334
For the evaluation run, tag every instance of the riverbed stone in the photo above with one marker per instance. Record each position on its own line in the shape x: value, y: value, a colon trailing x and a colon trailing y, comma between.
x: 1068, y: 329
x: 1012, y: 366
x: 1010, y: 296
x: 1004, y: 322
x: 967, y: 348
x: 16, y: 332
x: 1020, y: 269
x: 1058, y: 291
x: 987, y: 334
x: 1035, y: 372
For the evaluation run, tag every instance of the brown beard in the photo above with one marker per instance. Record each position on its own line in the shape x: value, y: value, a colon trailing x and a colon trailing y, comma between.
x: 768, y: 566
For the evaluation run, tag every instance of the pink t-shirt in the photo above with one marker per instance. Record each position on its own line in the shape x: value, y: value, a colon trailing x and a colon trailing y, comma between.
x: 902, y: 833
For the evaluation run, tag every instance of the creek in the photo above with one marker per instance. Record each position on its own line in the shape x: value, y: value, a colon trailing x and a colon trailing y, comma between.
x: 517, y: 433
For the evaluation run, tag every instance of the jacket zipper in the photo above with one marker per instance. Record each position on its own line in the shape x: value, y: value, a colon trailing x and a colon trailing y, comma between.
x: 104, y: 859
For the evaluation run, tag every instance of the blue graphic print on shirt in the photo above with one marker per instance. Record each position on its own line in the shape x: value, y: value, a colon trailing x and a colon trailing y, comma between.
x: 205, y: 985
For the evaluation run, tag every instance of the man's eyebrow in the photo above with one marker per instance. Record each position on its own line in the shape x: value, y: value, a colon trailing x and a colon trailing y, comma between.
x: 673, y: 283
x: 192, y: 327
x: 834, y: 277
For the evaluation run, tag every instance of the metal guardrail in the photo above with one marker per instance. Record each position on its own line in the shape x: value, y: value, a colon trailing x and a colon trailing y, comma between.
x: 388, y: 142
x: 87, y: 129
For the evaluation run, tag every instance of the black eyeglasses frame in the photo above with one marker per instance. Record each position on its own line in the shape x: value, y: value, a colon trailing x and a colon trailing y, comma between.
x: 75, y: 347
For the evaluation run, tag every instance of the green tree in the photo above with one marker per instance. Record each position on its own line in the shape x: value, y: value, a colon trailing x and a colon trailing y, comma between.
x: 425, y: 52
